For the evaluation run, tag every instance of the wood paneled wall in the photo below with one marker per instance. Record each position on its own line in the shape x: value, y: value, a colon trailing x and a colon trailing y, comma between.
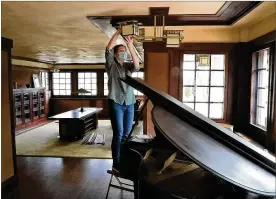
x: 60, y: 105
x: 241, y: 94
x: 8, y: 152
x: 7, y: 170
x: 157, y: 76
x: 24, y: 75
x: 168, y: 62
x: 242, y: 91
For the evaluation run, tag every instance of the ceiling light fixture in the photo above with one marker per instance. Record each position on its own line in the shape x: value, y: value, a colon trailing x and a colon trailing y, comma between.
x: 54, y: 69
x: 172, y: 37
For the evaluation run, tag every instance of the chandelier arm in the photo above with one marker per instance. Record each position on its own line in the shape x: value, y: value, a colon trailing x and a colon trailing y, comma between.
x: 154, y: 26
x: 163, y: 25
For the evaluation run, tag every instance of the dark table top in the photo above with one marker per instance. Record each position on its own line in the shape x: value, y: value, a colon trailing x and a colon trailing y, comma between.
x: 76, y: 114
x: 213, y: 155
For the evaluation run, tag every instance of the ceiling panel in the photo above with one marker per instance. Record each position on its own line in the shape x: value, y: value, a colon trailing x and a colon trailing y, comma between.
x: 61, y: 32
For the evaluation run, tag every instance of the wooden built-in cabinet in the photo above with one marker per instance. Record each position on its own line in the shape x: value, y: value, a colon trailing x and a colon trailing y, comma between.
x: 30, y: 107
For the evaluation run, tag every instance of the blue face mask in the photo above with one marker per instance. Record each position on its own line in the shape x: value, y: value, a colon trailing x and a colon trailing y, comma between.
x: 122, y: 56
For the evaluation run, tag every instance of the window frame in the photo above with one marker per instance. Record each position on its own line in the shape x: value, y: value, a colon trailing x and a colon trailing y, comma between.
x: 271, y: 105
x: 141, y: 70
x: 74, y: 84
x: 254, y: 91
x: 226, y: 79
x: 52, y: 86
x: 77, y: 81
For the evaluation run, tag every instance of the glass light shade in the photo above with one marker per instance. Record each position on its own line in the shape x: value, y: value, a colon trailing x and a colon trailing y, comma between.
x: 130, y: 29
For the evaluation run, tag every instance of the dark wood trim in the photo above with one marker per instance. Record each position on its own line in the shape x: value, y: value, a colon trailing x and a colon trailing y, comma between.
x: 100, y: 83
x: 15, y: 67
x: 159, y: 11
x: 74, y: 83
x: 180, y: 85
x: 12, y: 112
x: 228, y: 14
x: 82, y: 70
x: 30, y: 124
x: 223, y: 8
x: 226, y: 89
x: 174, y: 70
x: 190, y: 47
x: 264, y: 137
x: 78, y: 97
x: 8, y: 186
x: 230, y: 84
x: 145, y: 113
x: 241, y: 87
x: 264, y: 39
x: 7, y: 44
x: 32, y: 60
x: 270, y: 139
x: 241, y: 8
x: 60, y: 64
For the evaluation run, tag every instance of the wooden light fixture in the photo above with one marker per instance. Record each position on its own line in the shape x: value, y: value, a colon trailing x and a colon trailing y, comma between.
x: 130, y: 28
x: 172, y: 37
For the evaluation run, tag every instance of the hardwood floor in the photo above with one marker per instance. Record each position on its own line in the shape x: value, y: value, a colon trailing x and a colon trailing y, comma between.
x: 68, y: 178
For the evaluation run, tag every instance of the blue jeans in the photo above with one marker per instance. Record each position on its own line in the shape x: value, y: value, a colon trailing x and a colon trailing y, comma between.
x: 121, y: 117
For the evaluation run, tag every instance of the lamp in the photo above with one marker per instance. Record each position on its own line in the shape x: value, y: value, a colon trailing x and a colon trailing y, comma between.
x: 129, y: 28
x: 82, y: 91
x: 172, y: 37
x: 54, y: 69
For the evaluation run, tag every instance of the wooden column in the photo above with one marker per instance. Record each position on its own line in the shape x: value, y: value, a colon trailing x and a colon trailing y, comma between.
x: 156, y: 75
x: 8, y: 151
x: 174, y: 73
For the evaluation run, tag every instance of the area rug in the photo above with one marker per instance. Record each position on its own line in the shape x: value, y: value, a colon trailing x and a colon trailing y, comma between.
x: 43, y: 141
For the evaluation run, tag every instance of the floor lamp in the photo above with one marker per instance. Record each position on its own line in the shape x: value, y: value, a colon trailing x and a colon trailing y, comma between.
x: 82, y: 91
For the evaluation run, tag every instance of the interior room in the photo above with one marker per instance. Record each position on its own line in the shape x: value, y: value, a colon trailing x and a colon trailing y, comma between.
x: 207, y: 65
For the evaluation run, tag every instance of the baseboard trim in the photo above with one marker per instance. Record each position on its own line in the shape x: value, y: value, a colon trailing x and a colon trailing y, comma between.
x: 9, y: 185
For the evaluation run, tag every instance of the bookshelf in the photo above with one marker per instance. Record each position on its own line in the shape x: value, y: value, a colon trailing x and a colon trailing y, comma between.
x: 29, y: 107
x: 35, y: 106
x: 41, y: 96
x: 18, y: 108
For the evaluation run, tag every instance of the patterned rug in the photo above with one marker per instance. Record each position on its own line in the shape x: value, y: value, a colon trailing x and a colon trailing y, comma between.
x: 43, y: 141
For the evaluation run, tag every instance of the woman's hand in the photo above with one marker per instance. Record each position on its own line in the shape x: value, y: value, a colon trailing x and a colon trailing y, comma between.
x: 129, y: 40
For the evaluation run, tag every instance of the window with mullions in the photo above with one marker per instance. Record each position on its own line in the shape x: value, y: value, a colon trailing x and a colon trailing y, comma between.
x: 61, y: 83
x: 88, y: 81
x: 203, y: 83
x: 134, y: 74
x: 137, y: 75
x: 259, y: 88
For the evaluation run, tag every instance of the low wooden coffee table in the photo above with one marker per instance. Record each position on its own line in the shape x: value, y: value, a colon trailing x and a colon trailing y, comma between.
x: 74, y: 124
